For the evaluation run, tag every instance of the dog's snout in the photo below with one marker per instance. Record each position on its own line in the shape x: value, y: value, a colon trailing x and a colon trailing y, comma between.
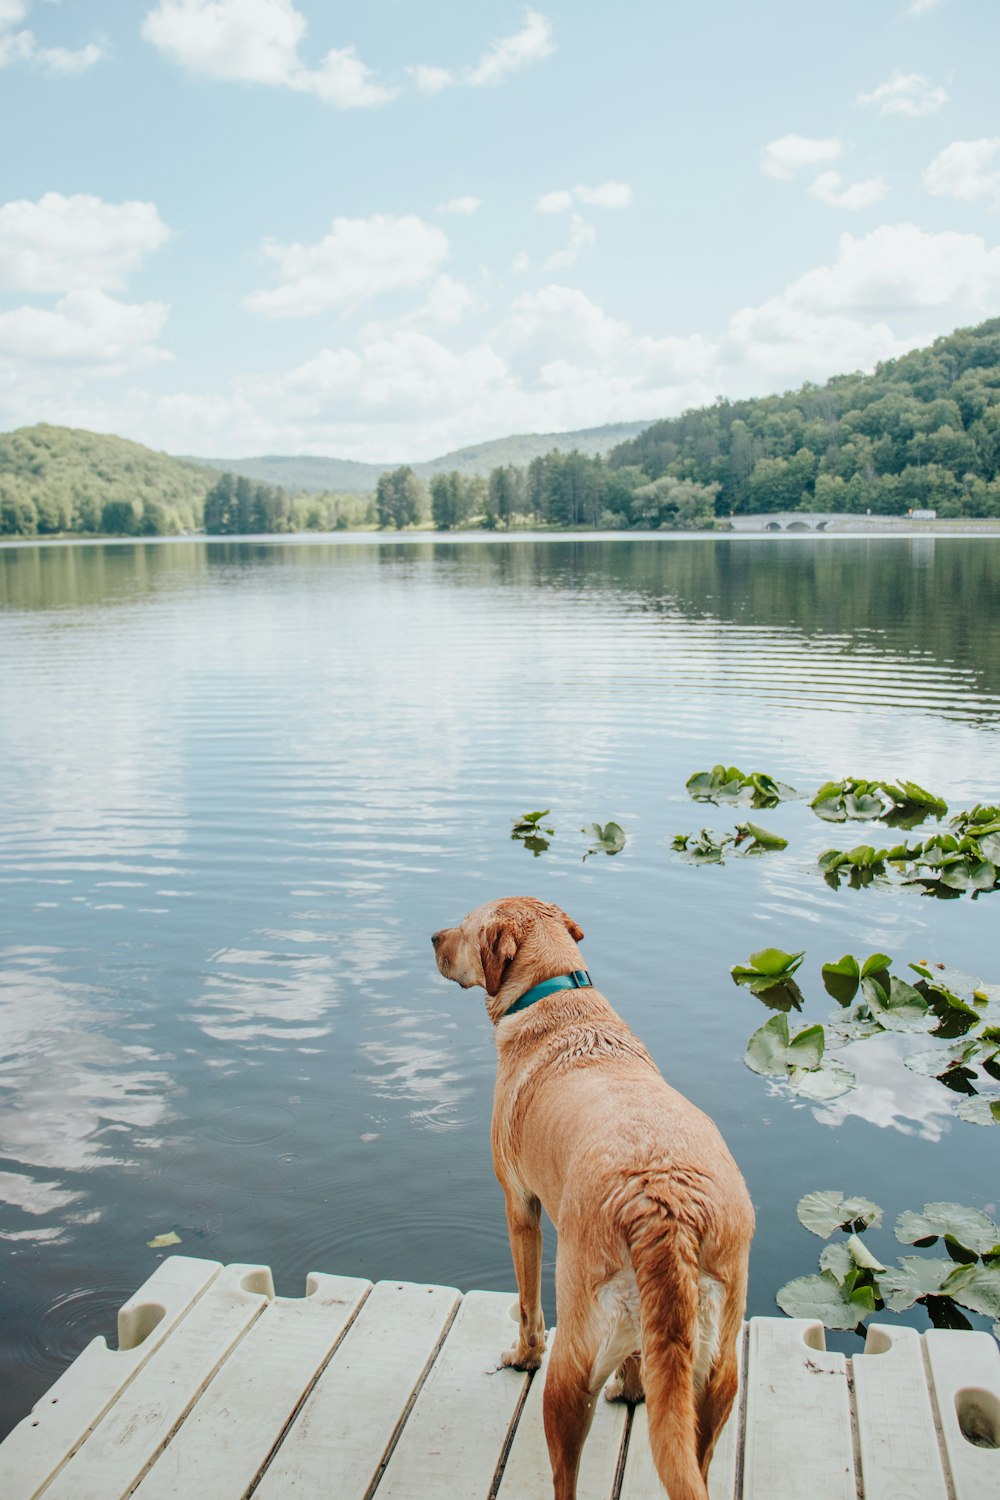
x: 436, y: 937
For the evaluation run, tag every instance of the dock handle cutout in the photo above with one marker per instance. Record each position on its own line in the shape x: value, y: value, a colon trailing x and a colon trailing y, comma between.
x: 978, y: 1413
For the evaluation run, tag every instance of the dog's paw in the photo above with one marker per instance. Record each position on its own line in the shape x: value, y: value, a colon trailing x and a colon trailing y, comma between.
x: 626, y: 1383
x: 519, y: 1357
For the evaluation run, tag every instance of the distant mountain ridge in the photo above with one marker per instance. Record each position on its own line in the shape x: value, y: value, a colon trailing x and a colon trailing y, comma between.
x: 305, y: 472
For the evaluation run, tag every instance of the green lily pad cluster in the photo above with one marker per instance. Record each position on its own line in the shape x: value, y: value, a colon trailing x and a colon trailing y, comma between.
x: 708, y: 848
x: 943, y: 1003
x: 730, y: 784
x: 853, y: 1282
x: 531, y: 831
x: 899, y: 803
x: 944, y: 864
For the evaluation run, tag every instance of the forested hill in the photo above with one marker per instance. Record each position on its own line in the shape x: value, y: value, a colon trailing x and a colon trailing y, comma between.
x: 307, y: 473
x: 922, y: 431
x: 55, y: 479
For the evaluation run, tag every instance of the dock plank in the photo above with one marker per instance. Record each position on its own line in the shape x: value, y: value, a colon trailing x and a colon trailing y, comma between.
x: 798, y: 1440
x: 126, y: 1441
x: 641, y: 1481
x: 341, y: 1435
x: 896, y: 1433
x: 39, y: 1445
x: 455, y: 1435
x: 230, y: 1434
x: 965, y: 1369
x: 527, y: 1473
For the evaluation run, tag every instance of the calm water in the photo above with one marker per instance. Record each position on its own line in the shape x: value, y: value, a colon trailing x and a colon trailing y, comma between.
x: 241, y: 783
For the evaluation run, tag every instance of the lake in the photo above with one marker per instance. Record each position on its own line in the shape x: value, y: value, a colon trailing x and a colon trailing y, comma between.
x: 241, y: 783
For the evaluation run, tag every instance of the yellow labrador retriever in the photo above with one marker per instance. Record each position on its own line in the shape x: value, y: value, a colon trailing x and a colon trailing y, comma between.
x: 653, y: 1216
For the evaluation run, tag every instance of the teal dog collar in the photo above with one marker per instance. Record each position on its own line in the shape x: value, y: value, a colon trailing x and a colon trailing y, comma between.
x: 578, y: 980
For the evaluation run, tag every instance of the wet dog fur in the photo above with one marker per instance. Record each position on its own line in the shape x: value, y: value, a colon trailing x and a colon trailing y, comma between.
x: 653, y: 1217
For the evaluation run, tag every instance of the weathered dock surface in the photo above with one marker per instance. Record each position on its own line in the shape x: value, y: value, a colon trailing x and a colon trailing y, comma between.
x: 219, y: 1389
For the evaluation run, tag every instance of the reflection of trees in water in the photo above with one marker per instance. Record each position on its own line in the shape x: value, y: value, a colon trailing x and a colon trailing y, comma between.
x: 939, y: 599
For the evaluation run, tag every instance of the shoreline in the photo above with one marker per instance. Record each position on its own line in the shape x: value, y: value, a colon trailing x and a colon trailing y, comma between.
x: 880, y: 528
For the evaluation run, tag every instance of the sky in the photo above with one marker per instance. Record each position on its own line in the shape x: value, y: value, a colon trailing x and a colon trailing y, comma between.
x: 383, y: 231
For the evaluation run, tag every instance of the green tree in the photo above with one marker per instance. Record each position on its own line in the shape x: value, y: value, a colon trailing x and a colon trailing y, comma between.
x: 398, y: 498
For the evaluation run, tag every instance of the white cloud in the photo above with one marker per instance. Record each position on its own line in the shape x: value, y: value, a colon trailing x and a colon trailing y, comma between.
x: 608, y: 195
x: 580, y: 233
x: 906, y: 94
x: 23, y: 46
x: 830, y: 187
x: 257, y: 41
x: 966, y: 170
x: 521, y: 262
x: 899, y: 268
x: 358, y: 259
x: 510, y: 54
x: 86, y: 327
x: 467, y: 205
x: 431, y: 80
x: 507, y: 55
x: 790, y: 153
x: 61, y: 244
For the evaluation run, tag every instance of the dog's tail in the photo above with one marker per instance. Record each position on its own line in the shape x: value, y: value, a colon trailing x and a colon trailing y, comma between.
x: 663, y: 1247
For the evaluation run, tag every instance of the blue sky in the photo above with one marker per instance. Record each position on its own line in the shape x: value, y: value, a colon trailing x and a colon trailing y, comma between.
x: 382, y: 231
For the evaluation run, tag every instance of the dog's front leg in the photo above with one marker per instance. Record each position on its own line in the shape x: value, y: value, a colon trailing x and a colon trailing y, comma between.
x: 524, y: 1226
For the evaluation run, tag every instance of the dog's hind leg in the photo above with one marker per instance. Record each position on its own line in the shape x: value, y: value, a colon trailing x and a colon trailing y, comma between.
x: 524, y: 1228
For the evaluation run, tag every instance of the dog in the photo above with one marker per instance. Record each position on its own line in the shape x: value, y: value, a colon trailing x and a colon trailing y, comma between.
x: 653, y: 1217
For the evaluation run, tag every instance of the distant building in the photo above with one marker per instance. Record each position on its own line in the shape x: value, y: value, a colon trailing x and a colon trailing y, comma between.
x: 922, y: 515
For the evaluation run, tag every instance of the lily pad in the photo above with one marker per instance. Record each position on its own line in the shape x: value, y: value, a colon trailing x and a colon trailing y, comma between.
x: 900, y: 1008
x: 823, y: 1212
x: 610, y: 839
x: 829, y: 1081
x: 976, y: 1287
x: 980, y: 1110
x: 767, y: 967
x: 824, y: 1297
x: 772, y: 1052
x: 702, y: 848
x: 967, y: 1229
x: 914, y: 1278
x: 757, y: 839
x: 730, y: 784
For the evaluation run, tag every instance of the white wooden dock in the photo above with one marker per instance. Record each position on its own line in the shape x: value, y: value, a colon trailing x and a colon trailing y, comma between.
x: 219, y: 1389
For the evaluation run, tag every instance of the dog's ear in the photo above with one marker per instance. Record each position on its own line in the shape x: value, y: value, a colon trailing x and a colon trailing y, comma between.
x: 497, y: 946
x: 575, y: 932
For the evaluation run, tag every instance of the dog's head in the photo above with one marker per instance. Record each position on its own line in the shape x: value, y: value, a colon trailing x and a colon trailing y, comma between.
x: 484, y: 945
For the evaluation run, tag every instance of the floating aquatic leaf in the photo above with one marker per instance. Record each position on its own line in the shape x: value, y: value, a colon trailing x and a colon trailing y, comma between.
x: 161, y: 1241
x: 702, y: 848
x: 976, y: 1287
x: 774, y: 1053
x: 967, y: 1229
x: 529, y: 822
x: 823, y: 1212
x: 829, y: 1081
x: 825, y: 1298
x: 757, y: 838
x: 862, y: 1256
x: 914, y: 1278
x: 898, y: 1008
x: 837, y: 1259
x: 767, y: 967
x: 610, y: 839
x: 980, y: 1111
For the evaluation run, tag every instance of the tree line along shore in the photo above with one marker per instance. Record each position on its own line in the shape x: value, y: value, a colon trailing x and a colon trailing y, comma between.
x: 920, y: 433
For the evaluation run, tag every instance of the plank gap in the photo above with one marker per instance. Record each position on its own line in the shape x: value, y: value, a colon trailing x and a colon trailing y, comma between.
x: 742, y: 1396
x: 508, y: 1441
x: 404, y: 1417
x: 619, y: 1479
x: 293, y: 1418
